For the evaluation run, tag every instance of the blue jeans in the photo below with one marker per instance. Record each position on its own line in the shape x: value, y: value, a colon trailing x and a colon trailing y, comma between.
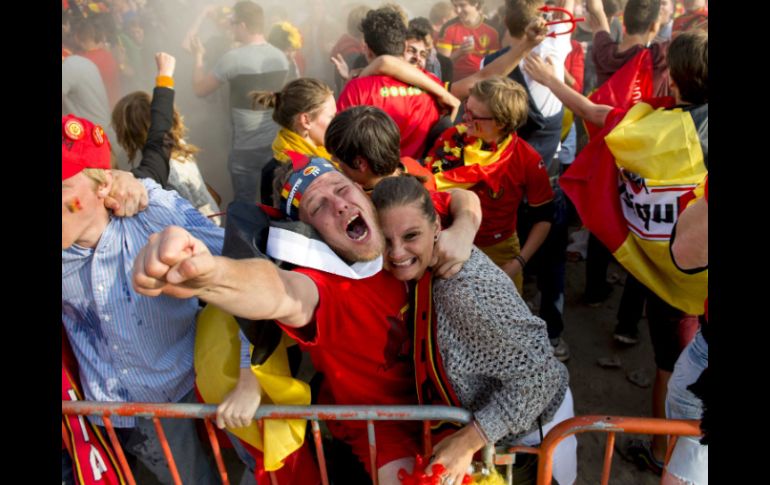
x: 566, y: 153
x: 689, y: 460
x: 245, y: 168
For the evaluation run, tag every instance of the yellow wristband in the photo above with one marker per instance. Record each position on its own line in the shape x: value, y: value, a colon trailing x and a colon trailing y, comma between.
x: 164, y: 82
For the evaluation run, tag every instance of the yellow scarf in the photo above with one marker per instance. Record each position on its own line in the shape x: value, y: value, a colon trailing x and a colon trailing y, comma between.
x: 470, y: 163
x: 217, y: 367
x: 287, y: 140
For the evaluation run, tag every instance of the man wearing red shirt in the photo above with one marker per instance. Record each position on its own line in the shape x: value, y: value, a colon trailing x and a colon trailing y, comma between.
x: 360, y: 343
x: 414, y: 110
x: 466, y: 39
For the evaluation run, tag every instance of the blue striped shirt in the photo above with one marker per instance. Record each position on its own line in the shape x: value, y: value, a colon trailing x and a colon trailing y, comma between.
x: 131, y: 347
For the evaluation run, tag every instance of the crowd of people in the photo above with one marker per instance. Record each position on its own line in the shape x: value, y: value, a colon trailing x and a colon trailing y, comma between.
x: 393, y: 179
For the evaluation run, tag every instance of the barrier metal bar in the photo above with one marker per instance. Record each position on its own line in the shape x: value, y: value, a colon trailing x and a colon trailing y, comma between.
x: 606, y: 424
x: 217, y: 451
x: 271, y: 411
x: 167, y: 452
x: 372, y: 452
x: 116, y: 446
x: 315, y: 413
x: 319, y: 451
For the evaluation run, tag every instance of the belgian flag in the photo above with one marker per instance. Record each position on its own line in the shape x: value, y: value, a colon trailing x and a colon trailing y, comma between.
x: 629, y: 185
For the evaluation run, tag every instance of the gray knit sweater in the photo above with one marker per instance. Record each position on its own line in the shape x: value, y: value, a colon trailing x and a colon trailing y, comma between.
x: 496, y: 353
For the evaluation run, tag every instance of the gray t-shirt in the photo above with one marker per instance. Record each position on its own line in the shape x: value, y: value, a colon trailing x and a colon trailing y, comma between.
x: 82, y: 91
x: 253, y: 67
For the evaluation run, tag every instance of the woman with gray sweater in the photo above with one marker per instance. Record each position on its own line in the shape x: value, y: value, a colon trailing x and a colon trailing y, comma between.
x: 480, y: 347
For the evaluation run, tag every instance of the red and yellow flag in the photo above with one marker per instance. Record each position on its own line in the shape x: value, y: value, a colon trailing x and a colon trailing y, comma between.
x: 627, y: 185
x: 461, y: 161
x: 626, y: 87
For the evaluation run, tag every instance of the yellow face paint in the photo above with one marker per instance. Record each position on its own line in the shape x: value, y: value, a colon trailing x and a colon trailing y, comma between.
x: 74, y: 206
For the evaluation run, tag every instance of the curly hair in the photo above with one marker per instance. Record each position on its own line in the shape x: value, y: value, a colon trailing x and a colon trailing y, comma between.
x: 131, y: 120
x: 384, y: 32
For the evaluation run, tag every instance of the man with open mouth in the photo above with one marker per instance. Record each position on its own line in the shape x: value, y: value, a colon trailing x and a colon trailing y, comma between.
x: 339, y: 305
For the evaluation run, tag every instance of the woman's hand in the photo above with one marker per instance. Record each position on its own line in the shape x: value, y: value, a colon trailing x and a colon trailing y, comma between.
x: 456, y: 452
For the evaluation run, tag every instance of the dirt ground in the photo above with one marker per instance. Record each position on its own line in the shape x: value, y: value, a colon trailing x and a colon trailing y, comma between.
x: 599, y: 391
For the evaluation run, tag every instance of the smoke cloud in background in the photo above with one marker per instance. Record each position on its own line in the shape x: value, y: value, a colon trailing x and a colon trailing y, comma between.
x: 165, y: 24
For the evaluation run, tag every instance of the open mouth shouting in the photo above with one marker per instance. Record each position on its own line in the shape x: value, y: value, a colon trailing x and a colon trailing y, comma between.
x: 356, y: 228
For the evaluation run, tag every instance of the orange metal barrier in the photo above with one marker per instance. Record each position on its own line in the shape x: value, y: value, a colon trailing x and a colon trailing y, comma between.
x: 605, y: 424
x: 313, y: 413
x: 545, y: 452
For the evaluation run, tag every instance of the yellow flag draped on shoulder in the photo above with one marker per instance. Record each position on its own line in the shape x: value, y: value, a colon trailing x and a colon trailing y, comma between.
x: 217, y: 368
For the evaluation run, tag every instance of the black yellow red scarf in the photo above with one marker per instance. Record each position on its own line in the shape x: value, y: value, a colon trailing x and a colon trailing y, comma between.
x: 462, y: 161
x: 433, y: 386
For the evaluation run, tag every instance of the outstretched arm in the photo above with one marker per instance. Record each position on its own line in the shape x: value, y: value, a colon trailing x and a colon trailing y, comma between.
x: 174, y: 263
x: 127, y: 195
x: 204, y: 83
x: 196, y: 25
x: 503, y: 65
x: 403, y: 71
x: 597, y: 18
x: 156, y: 151
x: 543, y: 72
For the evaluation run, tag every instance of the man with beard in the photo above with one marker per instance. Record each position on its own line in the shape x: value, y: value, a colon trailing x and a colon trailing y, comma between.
x: 354, y: 341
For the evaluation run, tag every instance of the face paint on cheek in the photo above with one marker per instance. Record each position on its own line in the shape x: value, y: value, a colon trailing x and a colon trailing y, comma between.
x: 74, y: 206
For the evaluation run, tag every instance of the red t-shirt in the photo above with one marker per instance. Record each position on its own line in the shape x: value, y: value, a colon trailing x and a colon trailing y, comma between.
x: 575, y: 64
x: 485, y: 41
x: 524, y: 173
x: 413, y: 110
x: 359, y: 340
x: 108, y: 68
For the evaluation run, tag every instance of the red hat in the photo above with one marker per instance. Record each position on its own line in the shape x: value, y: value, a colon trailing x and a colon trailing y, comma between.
x: 83, y: 145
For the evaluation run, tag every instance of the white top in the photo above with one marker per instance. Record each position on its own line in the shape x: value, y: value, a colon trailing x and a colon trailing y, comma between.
x: 557, y: 48
x: 185, y: 178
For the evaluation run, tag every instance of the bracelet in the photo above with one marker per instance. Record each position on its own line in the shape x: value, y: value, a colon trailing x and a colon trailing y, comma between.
x: 164, y: 82
x: 521, y: 260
